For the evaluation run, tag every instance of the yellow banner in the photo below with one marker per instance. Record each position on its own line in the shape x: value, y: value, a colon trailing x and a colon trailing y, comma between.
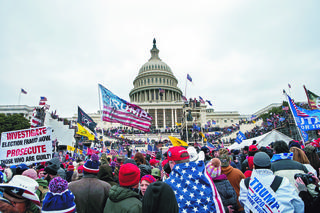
x: 70, y: 148
x: 178, y: 124
x: 177, y: 142
x: 82, y: 131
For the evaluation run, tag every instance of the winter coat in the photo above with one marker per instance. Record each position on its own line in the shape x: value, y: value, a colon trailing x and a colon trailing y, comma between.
x: 288, y: 168
x: 227, y: 193
x: 90, y: 193
x: 234, y: 176
x: 123, y: 200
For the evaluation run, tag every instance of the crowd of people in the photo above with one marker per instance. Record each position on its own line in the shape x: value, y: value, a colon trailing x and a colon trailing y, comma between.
x: 279, y: 178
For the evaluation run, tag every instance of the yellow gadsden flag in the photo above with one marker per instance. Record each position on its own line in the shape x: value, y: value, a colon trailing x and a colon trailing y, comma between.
x: 82, y: 131
x: 70, y: 148
x: 178, y: 124
x: 177, y: 142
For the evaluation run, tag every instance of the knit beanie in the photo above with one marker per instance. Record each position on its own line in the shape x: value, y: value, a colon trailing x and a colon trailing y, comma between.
x: 52, y: 169
x: 129, y: 160
x: 92, y: 165
x: 61, y: 173
x: 31, y: 173
x: 214, y: 168
x: 158, y: 198
x: 70, y: 168
x: 144, y: 170
x: 148, y: 178
x: 59, y: 198
x: 129, y: 175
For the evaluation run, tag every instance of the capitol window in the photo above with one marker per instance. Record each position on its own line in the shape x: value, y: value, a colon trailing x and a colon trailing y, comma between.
x: 156, y: 80
x: 160, y: 80
x: 148, y: 80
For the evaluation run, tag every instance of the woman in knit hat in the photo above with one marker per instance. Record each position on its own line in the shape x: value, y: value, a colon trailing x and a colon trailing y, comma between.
x: 144, y: 183
x: 158, y: 198
x: 225, y: 189
x: 59, y: 198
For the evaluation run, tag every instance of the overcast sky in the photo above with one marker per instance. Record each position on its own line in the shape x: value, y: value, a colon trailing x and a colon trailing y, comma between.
x: 240, y: 54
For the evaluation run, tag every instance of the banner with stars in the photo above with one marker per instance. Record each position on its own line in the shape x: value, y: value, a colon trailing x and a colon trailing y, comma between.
x: 194, y: 189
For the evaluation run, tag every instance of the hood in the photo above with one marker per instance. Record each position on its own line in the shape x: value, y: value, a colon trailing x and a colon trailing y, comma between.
x: 55, y: 161
x: 118, y: 193
x: 105, y: 173
x: 42, y: 182
x: 226, y: 170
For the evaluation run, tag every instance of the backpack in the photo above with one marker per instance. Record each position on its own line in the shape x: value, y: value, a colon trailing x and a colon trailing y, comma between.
x: 274, y: 185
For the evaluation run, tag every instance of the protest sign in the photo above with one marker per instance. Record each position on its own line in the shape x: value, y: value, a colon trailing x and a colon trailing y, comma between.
x: 26, y: 146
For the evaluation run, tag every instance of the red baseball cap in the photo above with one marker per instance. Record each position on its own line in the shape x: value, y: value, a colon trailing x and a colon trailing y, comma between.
x: 153, y: 162
x: 253, y: 148
x: 177, y: 153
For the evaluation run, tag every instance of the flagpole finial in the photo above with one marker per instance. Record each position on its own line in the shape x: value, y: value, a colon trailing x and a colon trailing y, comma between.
x: 154, y: 51
x: 154, y: 43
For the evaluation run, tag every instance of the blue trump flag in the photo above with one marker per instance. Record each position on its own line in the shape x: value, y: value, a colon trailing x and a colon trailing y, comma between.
x: 240, y: 137
x: 306, y: 119
x: 210, y: 145
x: 194, y: 189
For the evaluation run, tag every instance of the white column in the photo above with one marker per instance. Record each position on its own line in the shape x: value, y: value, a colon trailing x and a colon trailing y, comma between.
x: 156, y: 117
x: 164, y: 118
x: 172, y: 119
x: 175, y: 115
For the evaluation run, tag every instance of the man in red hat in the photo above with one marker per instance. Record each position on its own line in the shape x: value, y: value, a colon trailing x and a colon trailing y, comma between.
x: 125, y: 197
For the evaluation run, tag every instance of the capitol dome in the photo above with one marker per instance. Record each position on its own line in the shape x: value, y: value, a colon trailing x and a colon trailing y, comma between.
x: 155, y: 82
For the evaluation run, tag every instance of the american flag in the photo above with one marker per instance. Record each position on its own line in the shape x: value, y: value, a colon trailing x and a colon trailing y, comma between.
x: 118, y: 110
x: 184, y: 98
x: 189, y: 78
x: 299, y: 112
x: 113, y: 152
x: 194, y: 189
x: 201, y: 100
x: 36, y: 120
x: 23, y: 91
x: 161, y: 90
x: 149, y: 151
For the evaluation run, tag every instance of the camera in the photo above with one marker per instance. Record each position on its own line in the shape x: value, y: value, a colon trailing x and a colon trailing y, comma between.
x: 306, y: 178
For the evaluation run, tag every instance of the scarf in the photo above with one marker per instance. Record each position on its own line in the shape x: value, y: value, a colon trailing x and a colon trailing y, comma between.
x: 282, y: 156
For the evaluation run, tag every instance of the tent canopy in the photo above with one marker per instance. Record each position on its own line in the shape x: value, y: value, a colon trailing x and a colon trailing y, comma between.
x: 262, y: 140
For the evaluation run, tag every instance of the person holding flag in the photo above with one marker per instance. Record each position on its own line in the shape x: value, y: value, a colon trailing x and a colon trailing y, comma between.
x: 194, y: 189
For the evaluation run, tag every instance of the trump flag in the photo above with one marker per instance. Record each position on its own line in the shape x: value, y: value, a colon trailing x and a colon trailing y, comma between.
x: 120, y: 111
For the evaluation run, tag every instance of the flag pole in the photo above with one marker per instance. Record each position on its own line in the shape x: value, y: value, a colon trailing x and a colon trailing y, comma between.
x: 185, y: 93
x: 294, y: 118
x: 101, y: 114
x: 19, y: 98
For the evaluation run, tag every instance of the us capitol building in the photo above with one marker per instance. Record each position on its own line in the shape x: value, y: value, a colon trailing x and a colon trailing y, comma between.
x: 155, y: 89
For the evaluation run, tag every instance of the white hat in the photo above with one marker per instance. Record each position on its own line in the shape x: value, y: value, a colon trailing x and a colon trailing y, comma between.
x: 24, y: 187
x: 194, y: 156
x: 192, y: 153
